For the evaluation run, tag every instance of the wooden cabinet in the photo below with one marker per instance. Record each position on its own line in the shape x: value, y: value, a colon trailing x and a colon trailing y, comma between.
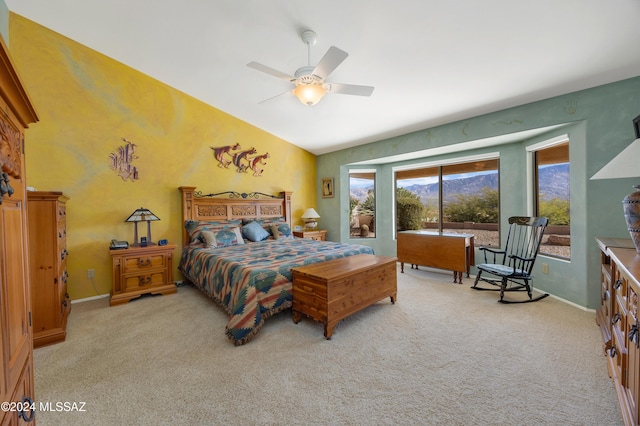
x: 320, y: 235
x: 142, y: 270
x: 47, y: 217
x: 454, y: 252
x: 16, y: 347
x: 603, y: 313
x: 618, y: 320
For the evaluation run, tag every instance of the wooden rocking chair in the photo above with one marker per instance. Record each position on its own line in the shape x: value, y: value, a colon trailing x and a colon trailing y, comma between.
x: 510, y: 269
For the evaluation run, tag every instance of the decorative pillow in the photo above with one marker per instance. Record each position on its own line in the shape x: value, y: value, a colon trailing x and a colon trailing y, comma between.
x: 209, y: 239
x: 265, y: 223
x: 223, y: 238
x: 282, y: 230
x: 253, y: 231
x: 229, y: 237
x: 195, y: 229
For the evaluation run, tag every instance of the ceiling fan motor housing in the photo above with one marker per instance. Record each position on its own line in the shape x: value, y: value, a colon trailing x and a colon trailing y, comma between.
x: 306, y: 72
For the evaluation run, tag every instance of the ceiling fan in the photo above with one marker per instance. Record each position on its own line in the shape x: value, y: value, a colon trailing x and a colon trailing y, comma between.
x: 309, y: 81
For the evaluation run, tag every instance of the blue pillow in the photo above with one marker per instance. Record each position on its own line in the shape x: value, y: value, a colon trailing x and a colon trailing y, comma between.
x: 253, y: 231
x: 265, y: 223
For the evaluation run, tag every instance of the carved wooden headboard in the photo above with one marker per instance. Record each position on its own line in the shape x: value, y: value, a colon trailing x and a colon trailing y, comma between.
x: 232, y: 205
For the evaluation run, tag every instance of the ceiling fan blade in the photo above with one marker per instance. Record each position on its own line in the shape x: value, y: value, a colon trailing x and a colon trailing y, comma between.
x: 350, y: 89
x: 330, y: 62
x: 271, y: 71
x: 273, y: 97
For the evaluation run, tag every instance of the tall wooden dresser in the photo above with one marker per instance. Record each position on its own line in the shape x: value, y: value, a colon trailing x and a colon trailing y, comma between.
x: 16, y: 347
x: 619, y: 322
x: 50, y: 301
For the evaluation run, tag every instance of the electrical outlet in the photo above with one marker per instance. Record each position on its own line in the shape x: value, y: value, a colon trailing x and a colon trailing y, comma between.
x: 545, y: 268
x: 91, y: 273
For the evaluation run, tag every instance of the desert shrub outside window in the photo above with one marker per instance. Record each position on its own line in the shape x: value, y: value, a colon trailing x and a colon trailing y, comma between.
x: 461, y: 197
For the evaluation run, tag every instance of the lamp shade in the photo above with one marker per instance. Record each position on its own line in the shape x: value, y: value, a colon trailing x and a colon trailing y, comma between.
x: 142, y: 215
x: 624, y: 165
x: 309, y: 93
x: 310, y: 214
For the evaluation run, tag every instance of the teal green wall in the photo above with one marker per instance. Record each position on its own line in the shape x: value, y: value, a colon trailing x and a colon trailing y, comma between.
x: 599, y: 124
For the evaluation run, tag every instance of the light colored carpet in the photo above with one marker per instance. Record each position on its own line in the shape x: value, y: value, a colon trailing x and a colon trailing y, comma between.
x: 442, y: 355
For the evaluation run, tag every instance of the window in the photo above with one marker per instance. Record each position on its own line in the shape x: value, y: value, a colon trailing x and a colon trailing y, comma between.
x: 552, y: 200
x: 362, y: 204
x: 418, y: 199
x: 461, y: 197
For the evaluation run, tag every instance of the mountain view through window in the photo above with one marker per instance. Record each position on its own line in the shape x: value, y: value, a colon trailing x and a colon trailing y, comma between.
x: 464, y: 198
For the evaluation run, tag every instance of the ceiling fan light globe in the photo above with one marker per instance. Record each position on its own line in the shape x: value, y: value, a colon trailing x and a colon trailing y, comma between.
x: 309, y: 94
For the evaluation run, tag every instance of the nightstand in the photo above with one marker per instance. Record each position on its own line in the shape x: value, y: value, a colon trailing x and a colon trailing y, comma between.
x: 319, y: 235
x: 141, y: 270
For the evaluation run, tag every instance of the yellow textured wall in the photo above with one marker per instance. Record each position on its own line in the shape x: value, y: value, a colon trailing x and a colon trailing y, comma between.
x: 87, y: 103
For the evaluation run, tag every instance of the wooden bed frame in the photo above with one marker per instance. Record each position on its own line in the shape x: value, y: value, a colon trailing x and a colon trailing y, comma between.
x: 216, y: 207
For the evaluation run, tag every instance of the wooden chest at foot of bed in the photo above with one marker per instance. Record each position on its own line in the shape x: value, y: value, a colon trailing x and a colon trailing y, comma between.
x: 331, y: 291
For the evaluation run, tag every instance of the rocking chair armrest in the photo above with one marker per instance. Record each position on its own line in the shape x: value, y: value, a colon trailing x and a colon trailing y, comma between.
x: 524, y: 259
x: 491, y: 255
x: 492, y: 250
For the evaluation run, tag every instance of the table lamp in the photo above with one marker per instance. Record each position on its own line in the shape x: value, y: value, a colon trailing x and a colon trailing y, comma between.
x: 142, y: 215
x: 309, y: 216
x: 625, y: 165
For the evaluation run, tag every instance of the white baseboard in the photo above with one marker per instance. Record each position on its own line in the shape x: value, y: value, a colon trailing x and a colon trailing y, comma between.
x: 575, y: 305
x: 88, y: 299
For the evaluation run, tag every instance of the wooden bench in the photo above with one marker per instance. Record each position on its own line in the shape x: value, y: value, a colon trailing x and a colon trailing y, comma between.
x: 331, y: 291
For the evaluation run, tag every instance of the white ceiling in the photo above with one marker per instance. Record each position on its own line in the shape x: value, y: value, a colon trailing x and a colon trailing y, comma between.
x: 431, y: 62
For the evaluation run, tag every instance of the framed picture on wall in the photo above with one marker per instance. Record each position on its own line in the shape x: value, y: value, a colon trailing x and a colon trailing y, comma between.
x: 327, y: 187
x: 636, y: 126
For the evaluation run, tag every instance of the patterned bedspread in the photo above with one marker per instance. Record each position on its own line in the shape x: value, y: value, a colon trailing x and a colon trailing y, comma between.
x: 253, y: 281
